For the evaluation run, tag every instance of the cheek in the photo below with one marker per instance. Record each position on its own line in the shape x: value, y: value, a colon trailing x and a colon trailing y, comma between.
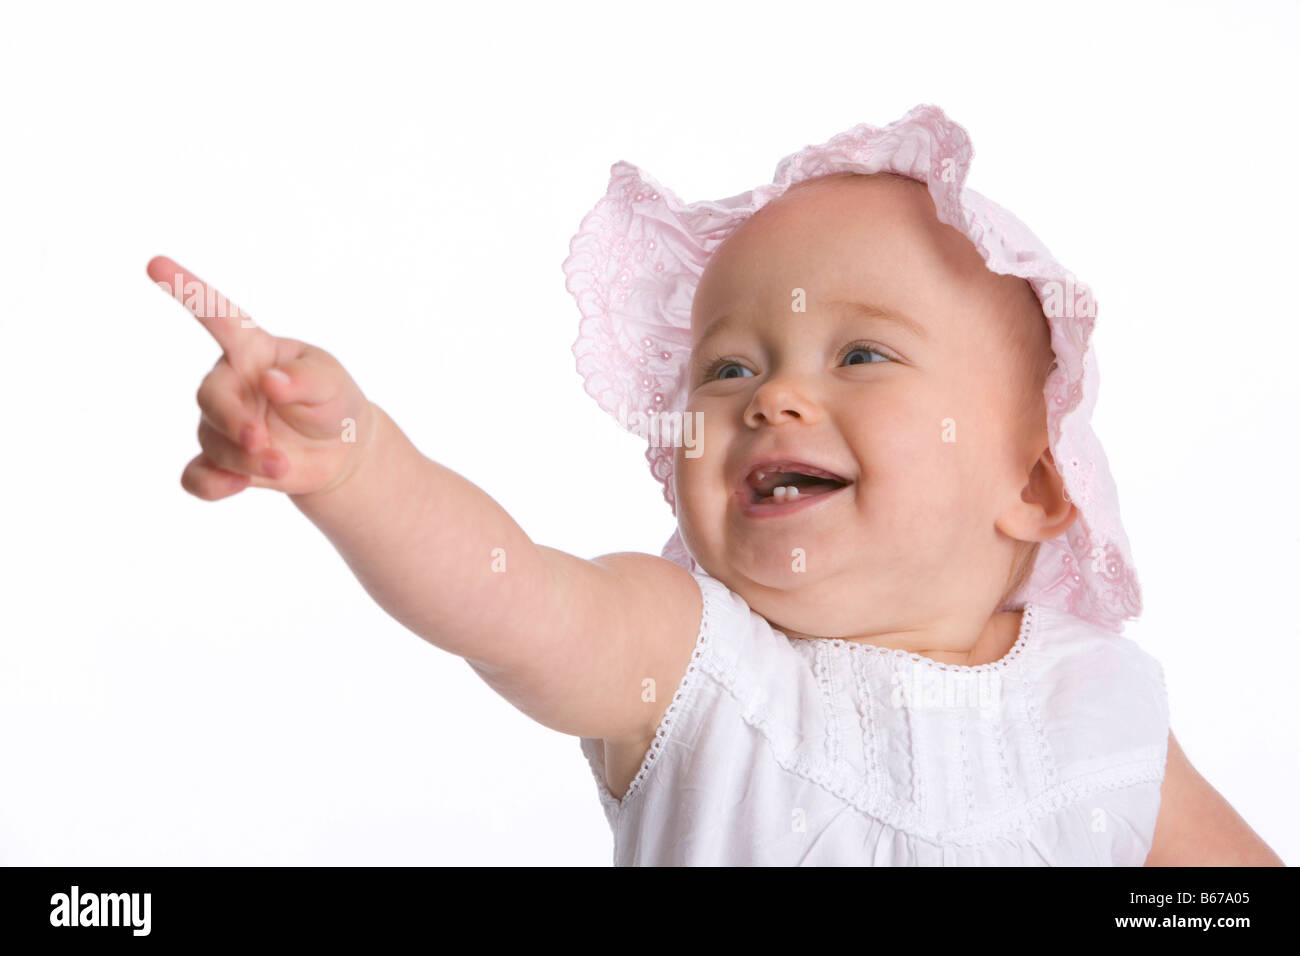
x: 699, y: 458
x: 700, y: 507
x: 911, y: 450
x: 682, y: 479
x: 922, y: 469
x: 696, y: 480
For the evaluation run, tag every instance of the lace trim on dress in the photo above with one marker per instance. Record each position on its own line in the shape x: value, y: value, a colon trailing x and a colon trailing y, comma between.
x: 1027, y: 629
x: 1142, y: 770
x: 664, y: 730
x: 1145, y: 766
x: 1142, y: 766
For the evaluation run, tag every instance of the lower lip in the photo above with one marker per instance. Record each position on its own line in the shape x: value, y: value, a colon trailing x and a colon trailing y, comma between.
x: 767, y: 509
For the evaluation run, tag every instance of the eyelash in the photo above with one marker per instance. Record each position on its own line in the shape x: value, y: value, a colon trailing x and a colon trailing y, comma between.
x: 722, y: 362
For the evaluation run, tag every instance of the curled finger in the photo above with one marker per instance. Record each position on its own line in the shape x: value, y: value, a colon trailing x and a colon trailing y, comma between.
x: 224, y: 404
x: 224, y: 453
x: 204, y: 479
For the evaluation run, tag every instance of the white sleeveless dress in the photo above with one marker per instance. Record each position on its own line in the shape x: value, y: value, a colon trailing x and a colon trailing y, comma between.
x: 779, y: 752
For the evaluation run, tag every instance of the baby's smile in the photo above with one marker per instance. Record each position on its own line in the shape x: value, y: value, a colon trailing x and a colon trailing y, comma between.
x: 871, y: 402
x: 773, y: 487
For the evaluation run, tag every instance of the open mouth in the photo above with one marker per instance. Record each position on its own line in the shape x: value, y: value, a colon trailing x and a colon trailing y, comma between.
x: 783, y: 482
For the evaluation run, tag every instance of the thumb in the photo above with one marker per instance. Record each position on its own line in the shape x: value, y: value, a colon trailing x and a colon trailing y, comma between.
x: 305, y: 394
x: 297, y: 381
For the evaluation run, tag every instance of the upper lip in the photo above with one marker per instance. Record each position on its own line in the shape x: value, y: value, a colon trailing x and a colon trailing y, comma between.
x: 748, y: 479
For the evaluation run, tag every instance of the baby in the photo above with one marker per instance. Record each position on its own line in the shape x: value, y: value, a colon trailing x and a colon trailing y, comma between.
x: 835, y: 661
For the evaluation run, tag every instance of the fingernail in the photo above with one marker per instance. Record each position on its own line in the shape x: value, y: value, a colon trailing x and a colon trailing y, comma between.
x: 279, y: 375
x: 270, y: 466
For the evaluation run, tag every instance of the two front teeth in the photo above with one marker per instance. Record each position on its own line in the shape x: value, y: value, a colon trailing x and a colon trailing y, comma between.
x: 783, y: 492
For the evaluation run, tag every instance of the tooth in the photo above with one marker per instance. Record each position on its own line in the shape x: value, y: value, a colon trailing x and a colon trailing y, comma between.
x: 760, y: 475
x: 785, y: 492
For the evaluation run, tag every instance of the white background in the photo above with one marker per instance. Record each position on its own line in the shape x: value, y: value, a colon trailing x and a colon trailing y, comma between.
x: 186, y: 682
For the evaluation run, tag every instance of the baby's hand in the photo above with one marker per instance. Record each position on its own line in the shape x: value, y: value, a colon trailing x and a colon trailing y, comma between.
x: 275, y: 413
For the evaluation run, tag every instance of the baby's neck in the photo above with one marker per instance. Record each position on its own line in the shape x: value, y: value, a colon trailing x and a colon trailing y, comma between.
x: 993, y: 643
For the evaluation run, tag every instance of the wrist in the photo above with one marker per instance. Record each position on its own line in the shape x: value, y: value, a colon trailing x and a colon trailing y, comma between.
x: 370, y: 439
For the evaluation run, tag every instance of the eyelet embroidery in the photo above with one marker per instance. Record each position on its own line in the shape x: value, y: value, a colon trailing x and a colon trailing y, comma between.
x: 967, y: 777
x: 873, y: 758
x: 821, y: 667
x: 1017, y: 649
x: 664, y: 729
x: 1043, y: 791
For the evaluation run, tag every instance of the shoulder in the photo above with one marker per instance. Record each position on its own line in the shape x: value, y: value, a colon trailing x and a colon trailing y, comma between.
x: 1198, y: 827
x: 667, y: 606
x: 651, y: 575
x: 692, y: 623
x: 609, y: 632
x: 677, y: 614
x: 1098, y: 709
x: 1083, y: 669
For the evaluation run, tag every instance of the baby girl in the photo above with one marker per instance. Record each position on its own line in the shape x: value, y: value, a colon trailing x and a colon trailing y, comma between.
x: 886, y: 630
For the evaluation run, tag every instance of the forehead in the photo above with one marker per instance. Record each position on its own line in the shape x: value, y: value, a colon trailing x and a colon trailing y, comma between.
x: 871, y: 239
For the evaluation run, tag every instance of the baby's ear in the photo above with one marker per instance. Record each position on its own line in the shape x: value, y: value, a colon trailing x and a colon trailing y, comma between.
x: 1042, y: 511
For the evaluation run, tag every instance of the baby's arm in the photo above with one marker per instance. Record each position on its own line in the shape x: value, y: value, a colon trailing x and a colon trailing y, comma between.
x: 1197, y: 827
x: 567, y: 641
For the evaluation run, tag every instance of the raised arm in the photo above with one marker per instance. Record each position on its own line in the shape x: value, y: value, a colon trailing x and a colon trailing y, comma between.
x: 569, y: 642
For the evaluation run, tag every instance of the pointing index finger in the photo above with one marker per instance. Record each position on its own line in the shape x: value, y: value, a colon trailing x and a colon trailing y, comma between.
x: 232, y: 327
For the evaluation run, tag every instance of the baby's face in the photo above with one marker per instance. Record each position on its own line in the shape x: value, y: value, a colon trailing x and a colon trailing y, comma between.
x: 925, y: 418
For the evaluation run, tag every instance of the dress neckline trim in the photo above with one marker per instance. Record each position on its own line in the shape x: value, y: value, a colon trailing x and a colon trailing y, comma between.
x: 1028, y: 628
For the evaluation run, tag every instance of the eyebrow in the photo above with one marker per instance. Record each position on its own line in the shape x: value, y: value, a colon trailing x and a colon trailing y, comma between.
x: 860, y: 309
x: 867, y: 310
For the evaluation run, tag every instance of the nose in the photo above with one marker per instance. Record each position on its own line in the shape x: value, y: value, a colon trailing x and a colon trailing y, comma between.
x: 778, y: 401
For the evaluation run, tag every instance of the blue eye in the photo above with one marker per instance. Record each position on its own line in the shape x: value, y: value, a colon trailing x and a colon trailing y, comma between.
x: 861, y: 347
x: 723, y: 363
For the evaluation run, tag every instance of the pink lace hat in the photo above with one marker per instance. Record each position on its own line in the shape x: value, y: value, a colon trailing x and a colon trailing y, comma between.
x: 638, y: 256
